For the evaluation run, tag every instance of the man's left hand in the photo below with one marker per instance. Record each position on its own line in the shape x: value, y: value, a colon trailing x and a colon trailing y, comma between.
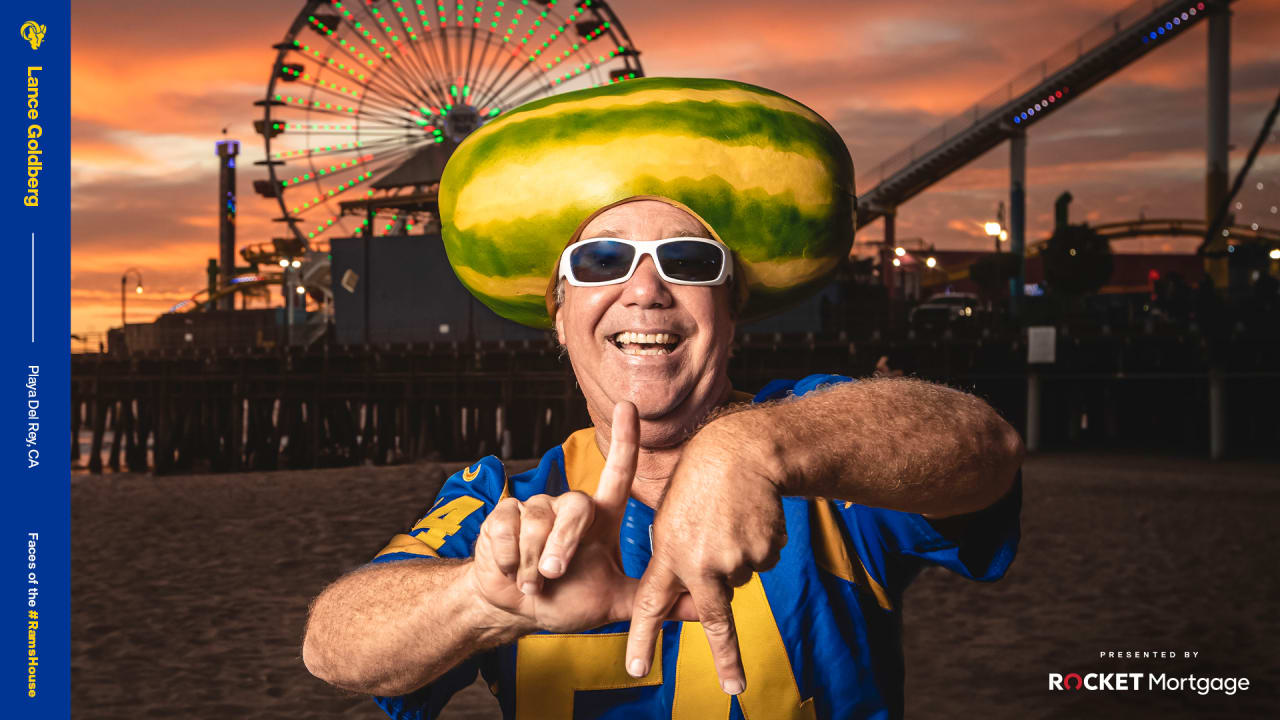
x: 719, y: 522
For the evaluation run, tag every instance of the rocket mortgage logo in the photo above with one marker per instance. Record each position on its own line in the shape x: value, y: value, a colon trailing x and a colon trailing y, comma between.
x: 1146, y: 681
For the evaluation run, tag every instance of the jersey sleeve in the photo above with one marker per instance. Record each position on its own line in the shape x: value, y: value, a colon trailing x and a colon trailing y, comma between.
x: 893, y: 545
x: 450, y: 527
x: 979, y: 546
x: 448, y: 530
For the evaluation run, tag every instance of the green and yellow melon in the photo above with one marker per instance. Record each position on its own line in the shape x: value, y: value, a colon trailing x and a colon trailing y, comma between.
x: 770, y: 176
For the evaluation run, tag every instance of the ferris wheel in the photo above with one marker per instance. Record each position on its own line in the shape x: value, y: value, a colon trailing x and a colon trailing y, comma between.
x: 367, y: 98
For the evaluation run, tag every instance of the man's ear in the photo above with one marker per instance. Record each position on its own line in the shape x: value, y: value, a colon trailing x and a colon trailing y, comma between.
x: 560, y: 327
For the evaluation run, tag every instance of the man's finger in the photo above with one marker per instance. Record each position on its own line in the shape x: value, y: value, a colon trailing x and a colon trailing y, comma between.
x: 682, y: 611
x: 620, y: 467
x: 711, y: 598
x: 654, y: 599
x: 574, y: 512
x: 536, y: 520
x: 503, y: 528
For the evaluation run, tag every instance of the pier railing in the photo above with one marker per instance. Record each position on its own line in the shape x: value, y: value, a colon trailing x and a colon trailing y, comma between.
x: 332, y: 406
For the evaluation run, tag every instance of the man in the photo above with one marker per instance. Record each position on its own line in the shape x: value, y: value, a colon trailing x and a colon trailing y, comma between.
x: 574, y: 586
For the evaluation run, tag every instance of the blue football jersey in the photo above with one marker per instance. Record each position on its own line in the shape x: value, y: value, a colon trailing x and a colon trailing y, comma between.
x: 820, y: 633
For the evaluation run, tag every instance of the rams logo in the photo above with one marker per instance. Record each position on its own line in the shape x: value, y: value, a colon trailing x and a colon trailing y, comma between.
x: 33, y: 32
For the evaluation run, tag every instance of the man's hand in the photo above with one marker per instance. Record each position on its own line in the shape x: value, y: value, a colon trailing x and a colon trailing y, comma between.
x: 720, y: 521
x: 553, y: 562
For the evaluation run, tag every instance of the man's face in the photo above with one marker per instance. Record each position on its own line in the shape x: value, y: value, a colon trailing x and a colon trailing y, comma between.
x: 674, y: 381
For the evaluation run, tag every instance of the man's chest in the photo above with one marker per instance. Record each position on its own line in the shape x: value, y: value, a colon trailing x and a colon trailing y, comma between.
x: 582, y: 675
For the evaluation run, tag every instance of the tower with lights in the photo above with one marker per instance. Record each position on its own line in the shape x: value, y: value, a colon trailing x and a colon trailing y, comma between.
x: 227, y: 151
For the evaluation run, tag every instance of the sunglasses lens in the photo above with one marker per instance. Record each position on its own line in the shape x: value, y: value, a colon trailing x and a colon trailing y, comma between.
x: 691, y: 261
x: 601, y: 261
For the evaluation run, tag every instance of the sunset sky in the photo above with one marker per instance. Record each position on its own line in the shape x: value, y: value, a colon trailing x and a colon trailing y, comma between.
x: 155, y: 82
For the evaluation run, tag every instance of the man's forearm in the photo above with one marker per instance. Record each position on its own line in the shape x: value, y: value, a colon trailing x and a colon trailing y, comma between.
x: 390, y: 629
x: 896, y: 443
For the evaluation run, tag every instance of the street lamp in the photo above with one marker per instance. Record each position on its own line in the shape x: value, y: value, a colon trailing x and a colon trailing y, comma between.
x: 995, y: 228
x: 124, y: 280
x: 996, y: 233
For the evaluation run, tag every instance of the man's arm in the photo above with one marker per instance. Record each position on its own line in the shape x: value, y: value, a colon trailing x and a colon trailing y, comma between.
x: 389, y: 629
x: 893, y: 443
x: 547, y: 563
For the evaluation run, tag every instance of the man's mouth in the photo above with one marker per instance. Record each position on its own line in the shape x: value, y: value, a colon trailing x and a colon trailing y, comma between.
x: 636, y: 343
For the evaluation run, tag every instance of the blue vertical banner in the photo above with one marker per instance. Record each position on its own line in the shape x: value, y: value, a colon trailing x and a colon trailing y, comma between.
x: 35, y: 569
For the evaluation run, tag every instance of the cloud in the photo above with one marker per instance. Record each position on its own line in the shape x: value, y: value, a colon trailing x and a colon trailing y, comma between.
x: 151, y: 96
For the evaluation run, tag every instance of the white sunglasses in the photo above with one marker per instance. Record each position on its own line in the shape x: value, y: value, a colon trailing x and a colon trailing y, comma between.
x: 679, y: 260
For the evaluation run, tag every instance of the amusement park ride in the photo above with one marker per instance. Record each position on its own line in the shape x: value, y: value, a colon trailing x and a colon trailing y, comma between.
x: 365, y: 103
x: 367, y: 99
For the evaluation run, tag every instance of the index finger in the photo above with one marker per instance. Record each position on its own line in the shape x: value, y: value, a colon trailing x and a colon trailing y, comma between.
x: 620, y: 467
x: 654, y: 598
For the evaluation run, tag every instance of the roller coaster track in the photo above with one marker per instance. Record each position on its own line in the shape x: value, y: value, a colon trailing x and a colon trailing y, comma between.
x: 238, y: 284
x: 1039, y: 91
x: 1141, y: 227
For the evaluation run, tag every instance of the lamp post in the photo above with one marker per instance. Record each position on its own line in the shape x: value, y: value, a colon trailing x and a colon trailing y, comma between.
x: 124, y: 280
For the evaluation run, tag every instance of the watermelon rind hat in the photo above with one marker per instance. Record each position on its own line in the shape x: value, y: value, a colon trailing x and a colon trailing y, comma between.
x: 766, y: 174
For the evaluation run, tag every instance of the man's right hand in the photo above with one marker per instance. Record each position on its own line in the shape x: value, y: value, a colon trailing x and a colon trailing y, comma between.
x: 553, y: 561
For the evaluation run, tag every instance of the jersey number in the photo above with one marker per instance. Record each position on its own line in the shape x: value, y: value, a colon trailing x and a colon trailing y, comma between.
x: 551, y: 668
x: 445, y: 520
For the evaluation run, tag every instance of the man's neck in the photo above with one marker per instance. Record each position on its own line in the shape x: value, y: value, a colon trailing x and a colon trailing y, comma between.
x: 653, y: 471
x: 655, y: 465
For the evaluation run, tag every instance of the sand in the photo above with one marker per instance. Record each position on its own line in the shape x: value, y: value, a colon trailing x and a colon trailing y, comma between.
x: 190, y: 593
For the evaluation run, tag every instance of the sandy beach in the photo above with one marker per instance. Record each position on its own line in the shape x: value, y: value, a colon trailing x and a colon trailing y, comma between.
x: 189, y: 594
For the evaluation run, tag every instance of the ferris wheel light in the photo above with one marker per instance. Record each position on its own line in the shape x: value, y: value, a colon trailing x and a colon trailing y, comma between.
x: 284, y: 262
x: 296, y: 264
x: 300, y: 290
x: 897, y: 262
x: 899, y: 251
x: 1274, y: 254
x: 931, y: 261
x: 328, y: 50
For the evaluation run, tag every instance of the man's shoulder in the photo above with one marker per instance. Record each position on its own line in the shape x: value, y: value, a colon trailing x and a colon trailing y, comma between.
x: 491, y: 478
x: 779, y: 389
x: 485, y: 478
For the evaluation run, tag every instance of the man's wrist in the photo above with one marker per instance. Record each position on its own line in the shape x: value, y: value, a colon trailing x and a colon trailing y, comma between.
x: 754, y: 441
x: 495, y: 625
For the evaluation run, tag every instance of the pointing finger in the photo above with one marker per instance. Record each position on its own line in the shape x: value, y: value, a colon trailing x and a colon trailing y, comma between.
x: 654, y: 600
x: 620, y: 467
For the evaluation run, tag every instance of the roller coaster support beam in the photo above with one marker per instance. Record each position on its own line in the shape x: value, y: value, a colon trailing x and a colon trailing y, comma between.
x: 1219, y: 85
x: 1017, y: 214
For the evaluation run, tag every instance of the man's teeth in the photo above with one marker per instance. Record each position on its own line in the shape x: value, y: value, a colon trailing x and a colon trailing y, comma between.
x: 634, y: 343
x: 646, y: 338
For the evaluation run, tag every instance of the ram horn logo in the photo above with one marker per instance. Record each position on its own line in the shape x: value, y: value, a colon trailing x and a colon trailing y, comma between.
x: 33, y: 32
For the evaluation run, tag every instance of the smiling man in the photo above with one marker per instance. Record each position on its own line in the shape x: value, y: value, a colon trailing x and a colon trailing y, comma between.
x: 698, y: 552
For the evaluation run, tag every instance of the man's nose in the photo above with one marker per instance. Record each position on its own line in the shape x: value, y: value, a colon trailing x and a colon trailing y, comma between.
x: 646, y: 288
